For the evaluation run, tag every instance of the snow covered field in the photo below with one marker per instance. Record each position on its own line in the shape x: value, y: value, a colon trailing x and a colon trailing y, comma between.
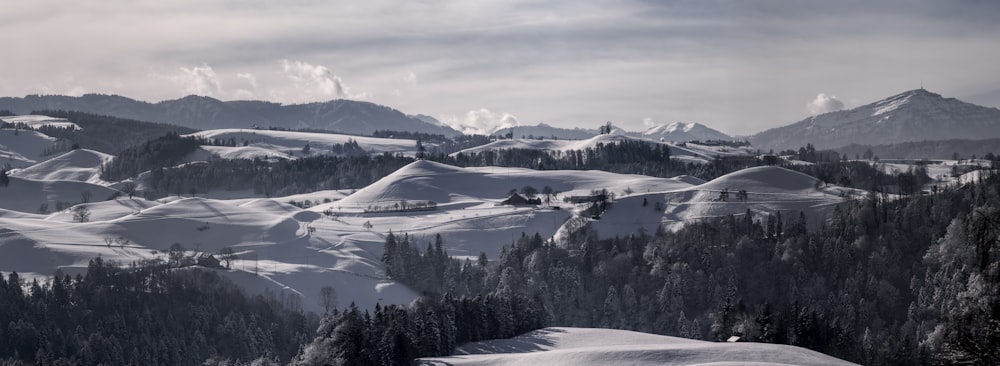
x: 586, y: 346
x: 694, y: 153
x: 268, y: 143
x: 286, y: 249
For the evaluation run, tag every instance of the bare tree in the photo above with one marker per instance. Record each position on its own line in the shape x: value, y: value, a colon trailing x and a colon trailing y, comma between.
x: 81, y: 214
x: 85, y: 196
x: 129, y: 189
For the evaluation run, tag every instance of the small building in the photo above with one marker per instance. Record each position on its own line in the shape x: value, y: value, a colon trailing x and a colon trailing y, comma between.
x: 519, y: 200
x: 208, y: 260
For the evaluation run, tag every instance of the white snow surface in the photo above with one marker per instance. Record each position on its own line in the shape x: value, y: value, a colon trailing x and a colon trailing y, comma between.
x: 684, y: 131
x: 80, y: 165
x: 769, y: 190
x: 690, y: 153
x: 268, y: 143
x: 289, y: 250
x: 35, y: 121
x: 915, y: 115
x: 21, y: 148
x: 558, y: 346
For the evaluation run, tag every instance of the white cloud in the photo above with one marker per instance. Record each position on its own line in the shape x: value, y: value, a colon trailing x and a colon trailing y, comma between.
x: 250, y: 78
x: 482, y: 121
x: 76, y: 91
x: 198, y: 80
x: 648, y: 122
x: 824, y: 104
x: 410, y: 78
x: 317, y: 82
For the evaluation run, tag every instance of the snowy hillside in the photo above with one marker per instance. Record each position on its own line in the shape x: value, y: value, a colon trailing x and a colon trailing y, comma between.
x: 689, y: 153
x: 543, y: 130
x: 285, y: 144
x: 35, y: 121
x: 915, y: 115
x: 23, y: 148
x: 287, y: 249
x: 80, y: 165
x: 681, y: 131
x: 585, y: 346
x: 769, y: 190
x: 276, y: 250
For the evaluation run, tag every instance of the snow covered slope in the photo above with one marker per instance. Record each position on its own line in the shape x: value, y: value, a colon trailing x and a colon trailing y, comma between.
x: 23, y: 148
x: 690, y: 153
x: 769, y: 190
x: 268, y: 143
x: 467, y: 215
x: 543, y: 130
x: 276, y: 249
x: 80, y: 165
x: 915, y: 115
x: 28, y: 195
x: 290, y: 250
x: 684, y: 131
x: 585, y: 346
x: 35, y: 121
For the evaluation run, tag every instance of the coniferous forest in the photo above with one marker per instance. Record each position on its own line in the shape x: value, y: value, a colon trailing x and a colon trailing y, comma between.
x: 145, y: 314
x: 885, y: 282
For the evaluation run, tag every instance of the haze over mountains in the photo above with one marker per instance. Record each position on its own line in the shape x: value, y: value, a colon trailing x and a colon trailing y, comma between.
x: 915, y: 115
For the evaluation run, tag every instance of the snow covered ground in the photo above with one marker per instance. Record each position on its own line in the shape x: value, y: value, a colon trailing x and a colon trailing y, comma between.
x: 20, y: 148
x: 338, y: 239
x: 268, y: 143
x: 586, y: 346
x: 694, y: 153
x: 35, y: 121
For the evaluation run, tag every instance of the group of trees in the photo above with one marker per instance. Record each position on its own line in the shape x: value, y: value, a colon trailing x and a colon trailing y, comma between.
x: 903, y: 281
x: 442, y: 318
x: 273, y: 178
x: 144, y: 314
x: 109, y: 135
x: 395, y: 335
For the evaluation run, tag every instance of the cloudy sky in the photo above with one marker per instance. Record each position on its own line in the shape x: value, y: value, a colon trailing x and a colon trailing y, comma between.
x: 737, y: 66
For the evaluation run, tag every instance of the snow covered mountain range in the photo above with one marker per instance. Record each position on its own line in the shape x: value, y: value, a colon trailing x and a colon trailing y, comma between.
x: 915, y: 115
x: 199, y: 112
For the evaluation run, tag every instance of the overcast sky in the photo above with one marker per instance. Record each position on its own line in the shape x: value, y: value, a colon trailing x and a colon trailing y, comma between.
x: 737, y: 66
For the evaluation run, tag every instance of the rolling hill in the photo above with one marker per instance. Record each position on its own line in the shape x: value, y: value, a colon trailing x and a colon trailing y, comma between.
x: 583, y: 346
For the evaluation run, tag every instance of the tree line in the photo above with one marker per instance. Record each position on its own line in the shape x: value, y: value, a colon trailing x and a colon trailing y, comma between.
x: 144, y: 314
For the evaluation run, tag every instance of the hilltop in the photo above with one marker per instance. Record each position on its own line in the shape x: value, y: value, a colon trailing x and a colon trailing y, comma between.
x: 582, y: 346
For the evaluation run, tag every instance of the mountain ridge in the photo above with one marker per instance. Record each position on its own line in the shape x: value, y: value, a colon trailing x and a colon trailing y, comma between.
x: 339, y: 115
x: 913, y: 115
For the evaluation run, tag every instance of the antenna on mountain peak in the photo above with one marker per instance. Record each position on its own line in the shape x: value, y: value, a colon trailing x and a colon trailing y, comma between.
x: 921, y: 84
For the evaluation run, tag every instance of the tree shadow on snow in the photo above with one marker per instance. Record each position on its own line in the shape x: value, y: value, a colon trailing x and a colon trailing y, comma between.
x: 534, y: 341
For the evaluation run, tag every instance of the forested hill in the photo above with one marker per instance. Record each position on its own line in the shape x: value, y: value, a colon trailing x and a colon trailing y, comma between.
x: 884, y: 282
x: 106, y: 134
x: 146, y: 315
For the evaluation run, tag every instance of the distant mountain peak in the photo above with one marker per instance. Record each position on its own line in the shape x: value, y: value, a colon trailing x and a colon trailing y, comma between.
x: 684, y: 131
x: 913, y: 115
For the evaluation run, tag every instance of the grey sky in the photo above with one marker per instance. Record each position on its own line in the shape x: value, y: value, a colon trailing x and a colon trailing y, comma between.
x: 737, y: 66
